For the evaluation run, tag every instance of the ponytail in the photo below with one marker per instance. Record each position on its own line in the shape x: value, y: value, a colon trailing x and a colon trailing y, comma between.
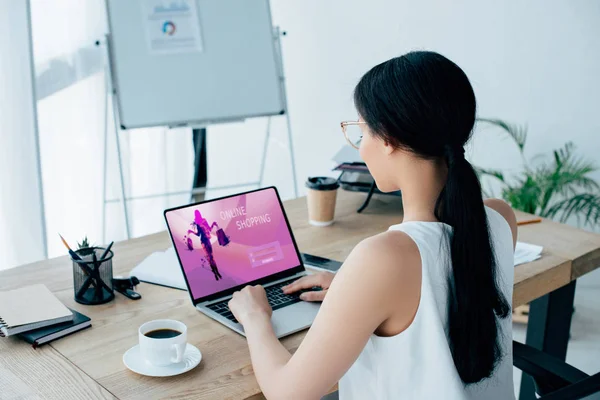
x: 475, y: 302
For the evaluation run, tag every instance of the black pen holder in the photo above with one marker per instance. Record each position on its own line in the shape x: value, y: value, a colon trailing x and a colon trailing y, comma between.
x: 92, y: 276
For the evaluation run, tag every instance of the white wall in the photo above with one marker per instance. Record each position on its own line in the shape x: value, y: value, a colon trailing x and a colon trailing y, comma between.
x: 534, y: 62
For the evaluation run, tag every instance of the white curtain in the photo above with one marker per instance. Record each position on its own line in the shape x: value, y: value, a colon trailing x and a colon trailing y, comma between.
x: 73, y: 114
x: 22, y: 236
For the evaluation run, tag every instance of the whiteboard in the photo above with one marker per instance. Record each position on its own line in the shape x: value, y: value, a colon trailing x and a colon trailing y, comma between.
x: 232, y: 74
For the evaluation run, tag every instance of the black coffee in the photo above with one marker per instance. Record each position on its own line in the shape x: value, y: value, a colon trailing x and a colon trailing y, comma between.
x: 162, y: 333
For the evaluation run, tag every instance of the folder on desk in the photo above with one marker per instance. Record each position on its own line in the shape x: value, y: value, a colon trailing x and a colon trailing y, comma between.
x: 45, y: 335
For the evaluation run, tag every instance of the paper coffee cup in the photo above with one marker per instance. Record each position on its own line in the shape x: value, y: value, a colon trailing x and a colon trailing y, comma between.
x: 321, y: 196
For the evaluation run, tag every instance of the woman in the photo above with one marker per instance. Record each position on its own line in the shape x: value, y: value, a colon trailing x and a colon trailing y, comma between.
x: 421, y: 311
x: 204, y: 231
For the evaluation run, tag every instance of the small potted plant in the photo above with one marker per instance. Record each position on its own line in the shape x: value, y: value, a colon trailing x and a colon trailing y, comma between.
x: 84, y: 248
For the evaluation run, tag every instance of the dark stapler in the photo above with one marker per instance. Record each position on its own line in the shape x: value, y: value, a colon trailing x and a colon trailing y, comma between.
x: 125, y: 286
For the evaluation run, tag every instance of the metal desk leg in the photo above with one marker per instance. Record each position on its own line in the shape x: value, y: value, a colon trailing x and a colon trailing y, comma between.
x: 548, y: 329
x: 366, y: 203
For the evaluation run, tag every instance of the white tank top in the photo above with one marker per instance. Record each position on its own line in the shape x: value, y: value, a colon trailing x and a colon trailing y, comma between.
x: 417, y: 363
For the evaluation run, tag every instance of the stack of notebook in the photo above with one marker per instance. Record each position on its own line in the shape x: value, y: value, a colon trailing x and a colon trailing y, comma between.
x: 37, y: 316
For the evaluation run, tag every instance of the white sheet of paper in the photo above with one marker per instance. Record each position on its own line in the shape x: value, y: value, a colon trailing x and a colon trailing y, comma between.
x: 525, y: 252
x: 172, y: 26
x: 161, y: 268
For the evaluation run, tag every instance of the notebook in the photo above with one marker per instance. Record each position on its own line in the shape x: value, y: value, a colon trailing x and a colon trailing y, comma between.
x: 28, y: 308
x: 41, y: 336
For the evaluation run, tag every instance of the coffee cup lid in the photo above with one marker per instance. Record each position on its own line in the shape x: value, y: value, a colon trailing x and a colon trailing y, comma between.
x: 322, y: 183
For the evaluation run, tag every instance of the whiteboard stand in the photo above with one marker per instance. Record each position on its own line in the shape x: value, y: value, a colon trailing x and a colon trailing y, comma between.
x: 111, y: 94
x: 277, y: 33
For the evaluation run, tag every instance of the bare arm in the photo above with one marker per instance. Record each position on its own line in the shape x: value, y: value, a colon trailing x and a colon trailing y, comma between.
x: 357, y: 303
x: 207, y: 227
x: 507, y: 212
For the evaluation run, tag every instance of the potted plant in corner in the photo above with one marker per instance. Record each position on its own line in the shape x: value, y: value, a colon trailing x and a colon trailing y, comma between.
x: 557, y: 187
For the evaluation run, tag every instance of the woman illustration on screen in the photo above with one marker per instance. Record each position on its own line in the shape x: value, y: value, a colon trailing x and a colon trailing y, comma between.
x: 203, y: 231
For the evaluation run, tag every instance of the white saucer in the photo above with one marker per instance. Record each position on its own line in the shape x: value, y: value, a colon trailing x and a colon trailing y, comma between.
x: 134, y: 361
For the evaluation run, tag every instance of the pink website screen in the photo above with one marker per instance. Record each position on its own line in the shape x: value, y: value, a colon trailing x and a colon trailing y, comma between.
x: 230, y: 242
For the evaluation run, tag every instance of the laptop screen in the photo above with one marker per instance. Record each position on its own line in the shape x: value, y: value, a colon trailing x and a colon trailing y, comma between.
x: 232, y: 241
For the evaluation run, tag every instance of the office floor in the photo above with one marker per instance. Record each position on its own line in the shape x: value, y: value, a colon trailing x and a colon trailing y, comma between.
x: 584, y: 347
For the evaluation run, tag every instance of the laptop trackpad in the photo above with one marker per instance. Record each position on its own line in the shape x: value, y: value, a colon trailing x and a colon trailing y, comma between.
x: 294, y: 318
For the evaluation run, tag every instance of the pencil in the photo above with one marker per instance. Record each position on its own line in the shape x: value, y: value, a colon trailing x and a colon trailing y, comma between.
x: 71, y: 252
x: 529, y: 221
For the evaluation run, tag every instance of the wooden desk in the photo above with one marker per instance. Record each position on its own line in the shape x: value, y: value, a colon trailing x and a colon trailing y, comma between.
x: 89, y: 364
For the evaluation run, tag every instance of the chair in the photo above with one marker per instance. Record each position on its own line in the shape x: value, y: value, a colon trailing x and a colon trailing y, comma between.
x: 332, y: 396
x: 554, y: 379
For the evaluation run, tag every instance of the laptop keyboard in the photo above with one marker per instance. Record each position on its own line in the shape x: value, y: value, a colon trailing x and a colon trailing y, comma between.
x: 277, y: 299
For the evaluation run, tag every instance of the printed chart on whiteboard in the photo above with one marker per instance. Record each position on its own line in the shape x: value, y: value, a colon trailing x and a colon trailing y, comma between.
x: 172, y: 26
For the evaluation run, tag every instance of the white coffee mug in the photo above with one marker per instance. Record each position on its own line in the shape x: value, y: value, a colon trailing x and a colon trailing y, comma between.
x: 164, y: 351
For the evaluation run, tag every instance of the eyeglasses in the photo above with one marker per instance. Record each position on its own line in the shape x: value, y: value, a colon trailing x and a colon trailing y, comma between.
x: 352, y: 132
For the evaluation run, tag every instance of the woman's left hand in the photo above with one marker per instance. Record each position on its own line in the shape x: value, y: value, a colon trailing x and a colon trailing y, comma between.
x: 250, y: 302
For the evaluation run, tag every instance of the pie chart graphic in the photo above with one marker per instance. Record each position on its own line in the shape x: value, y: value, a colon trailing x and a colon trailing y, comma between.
x: 168, y: 28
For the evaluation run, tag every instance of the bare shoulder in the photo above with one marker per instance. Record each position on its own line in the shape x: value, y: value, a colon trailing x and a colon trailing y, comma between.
x: 387, y: 255
x: 387, y: 246
x: 502, y: 208
x: 386, y: 269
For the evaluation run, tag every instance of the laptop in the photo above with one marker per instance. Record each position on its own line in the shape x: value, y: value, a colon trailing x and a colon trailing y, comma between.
x: 245, y: 239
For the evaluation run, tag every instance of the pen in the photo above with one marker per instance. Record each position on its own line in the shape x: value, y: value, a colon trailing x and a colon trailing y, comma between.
x: 106, y: 251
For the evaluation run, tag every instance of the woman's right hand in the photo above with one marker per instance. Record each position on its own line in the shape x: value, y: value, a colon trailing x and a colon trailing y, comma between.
x: 320, y: 279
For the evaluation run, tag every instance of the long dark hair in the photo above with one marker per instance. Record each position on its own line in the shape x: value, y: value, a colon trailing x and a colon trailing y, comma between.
x: 424, y: 103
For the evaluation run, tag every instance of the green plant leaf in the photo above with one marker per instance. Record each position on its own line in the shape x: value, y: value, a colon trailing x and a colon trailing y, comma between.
x: 85, y: 248
x: 525, y: 195
x: 574, y: 172
x: 489, y: 172
x: 559, y: 187
x: 567, y: 176
x: 84, y: 243
x: 584, y: 206
x: 549, y: 180
x: 516, y: 132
